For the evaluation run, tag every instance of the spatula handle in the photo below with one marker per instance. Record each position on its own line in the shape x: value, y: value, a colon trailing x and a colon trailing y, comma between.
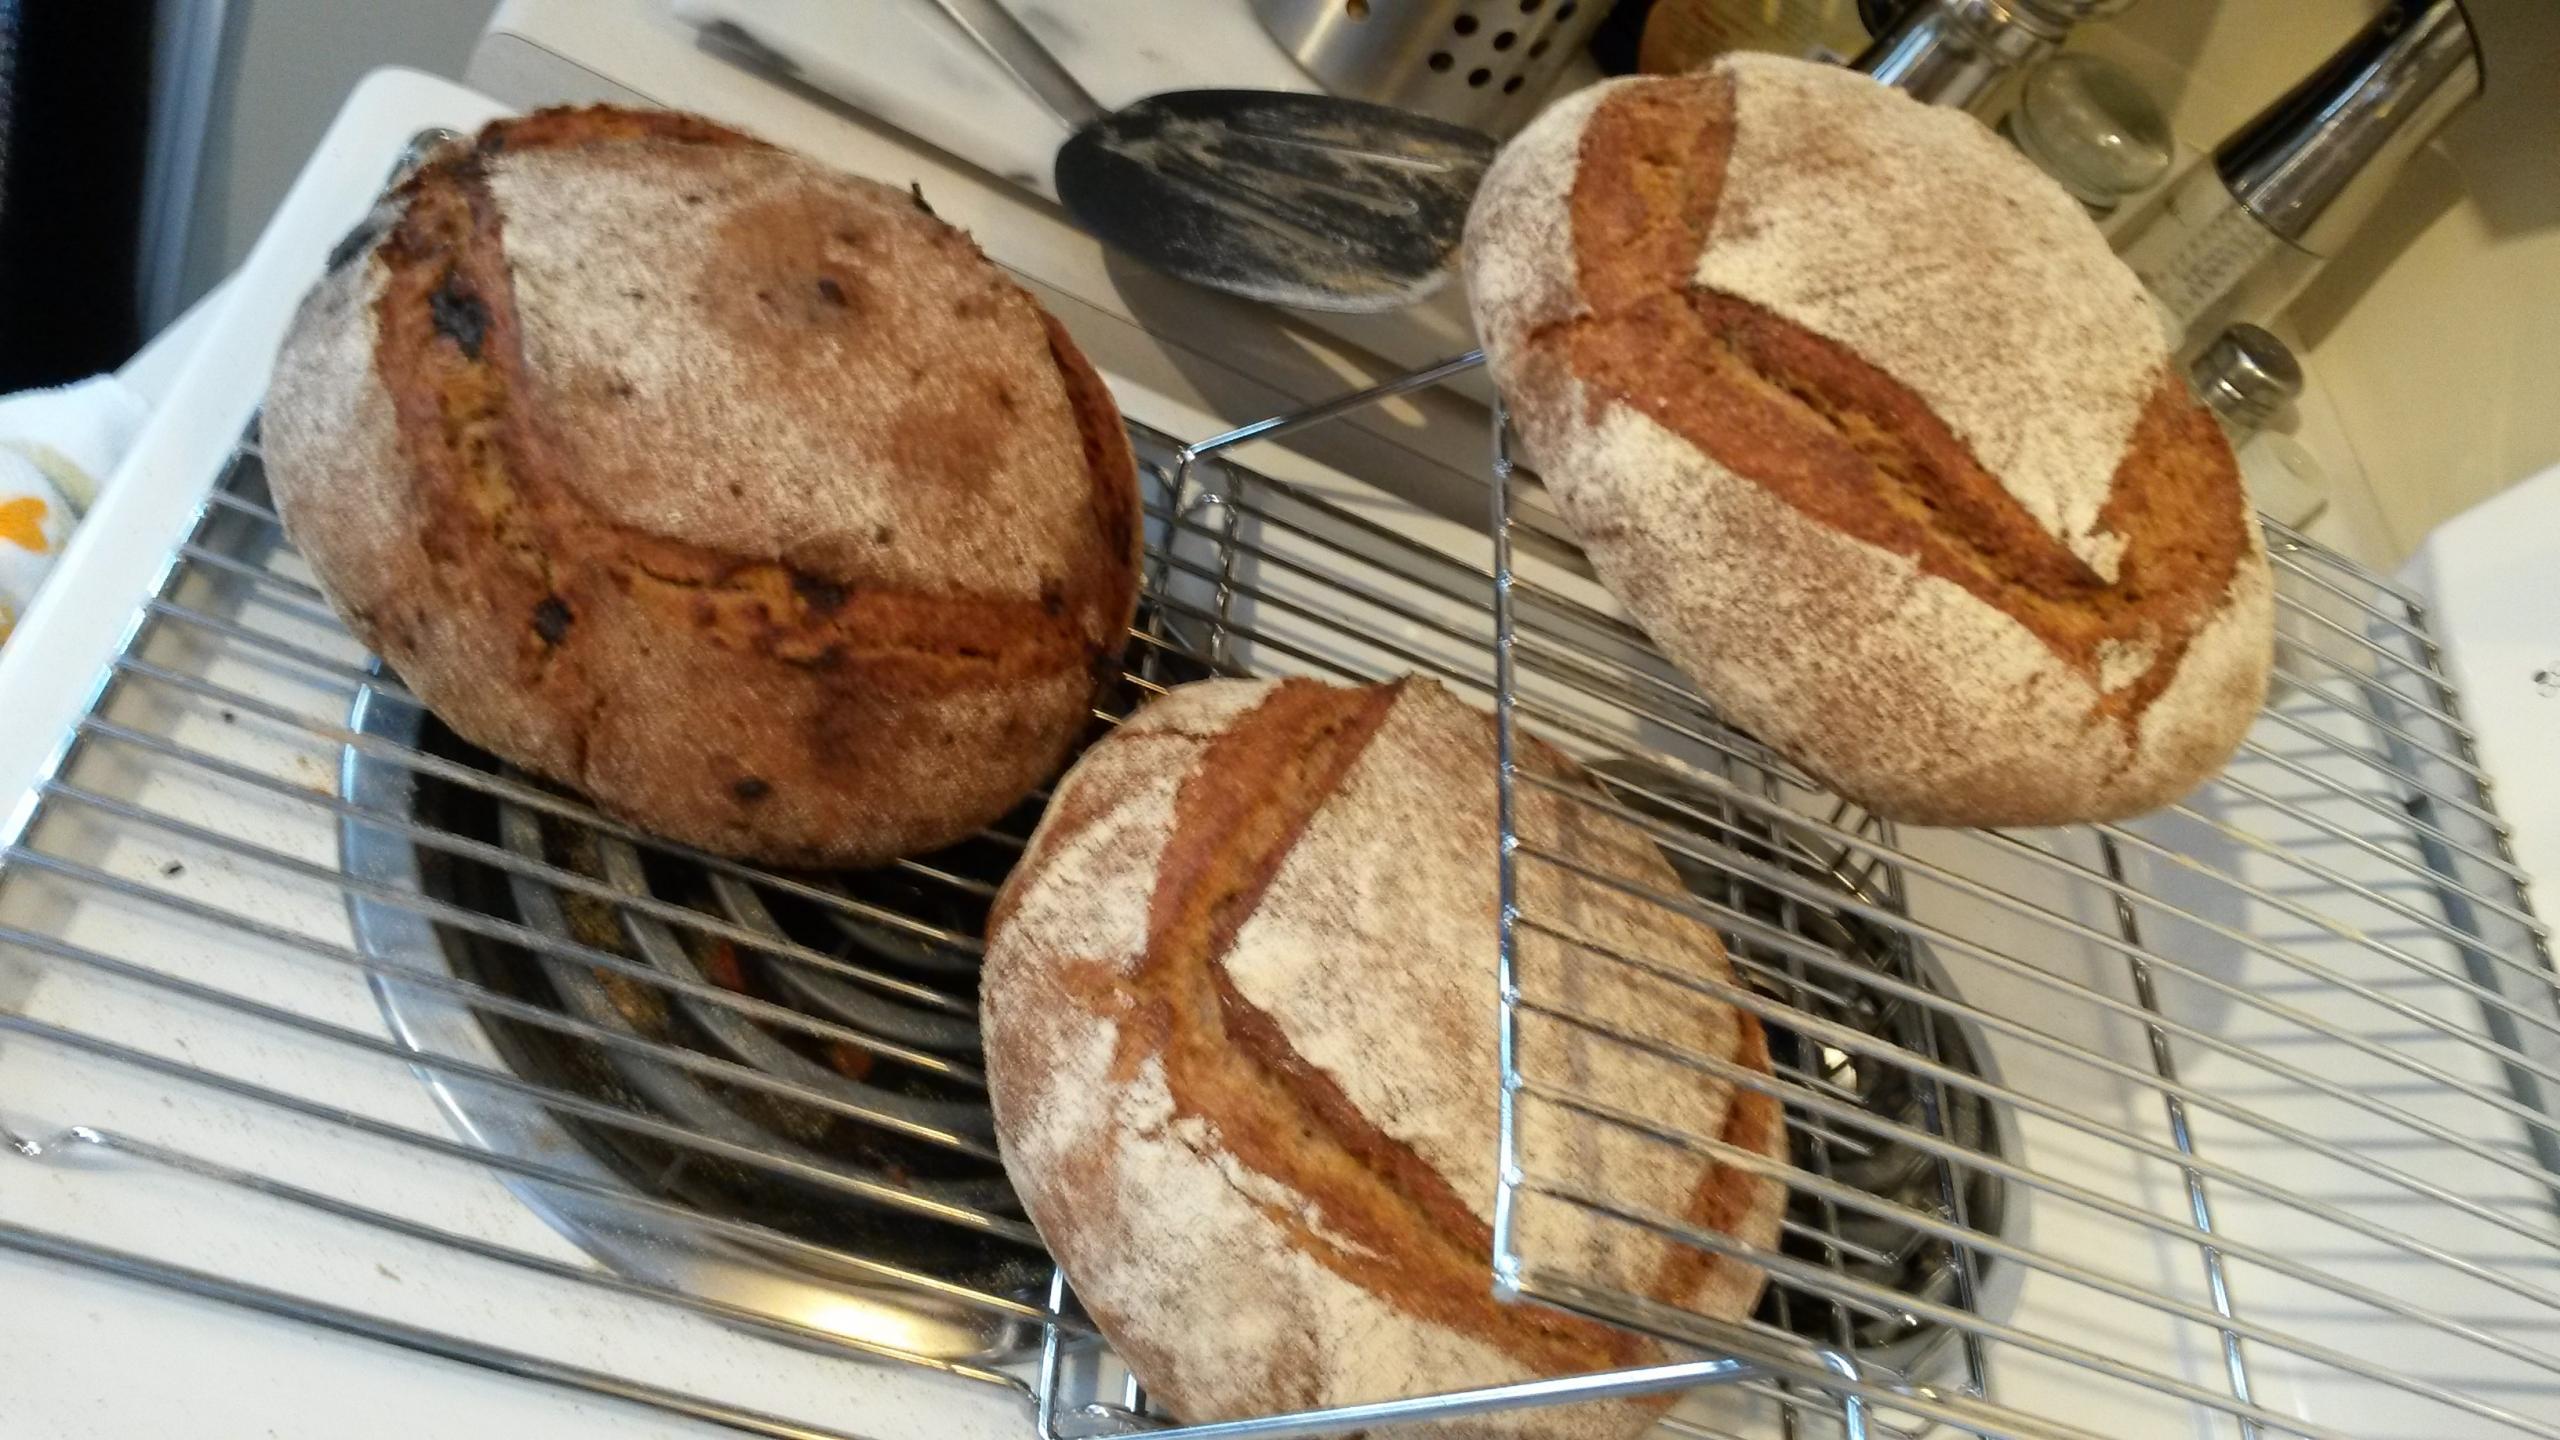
x: 1020, y: 52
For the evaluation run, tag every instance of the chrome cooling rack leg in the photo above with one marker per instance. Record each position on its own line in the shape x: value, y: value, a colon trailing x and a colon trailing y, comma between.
x: 1186, y: 462
x: 1507, y: 1171
x: 1508, y: 1279
x: 2455, y: 894
x: 1449, y: 1405
x: 2217, y: 1283
x: 1340, y: 405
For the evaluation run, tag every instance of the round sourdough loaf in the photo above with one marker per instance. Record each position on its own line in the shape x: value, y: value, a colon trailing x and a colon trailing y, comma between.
x: 1239, y: 1010
x: 1857, y: 415
x: 743, y: 495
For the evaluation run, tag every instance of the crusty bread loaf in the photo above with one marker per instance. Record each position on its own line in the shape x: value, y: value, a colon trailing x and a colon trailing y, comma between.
x: 1858, y: 416
x: 1239, y: 1008
x: 741, y: 494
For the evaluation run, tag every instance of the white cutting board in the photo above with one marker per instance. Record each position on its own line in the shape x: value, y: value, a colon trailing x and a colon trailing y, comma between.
x: 906, y: 63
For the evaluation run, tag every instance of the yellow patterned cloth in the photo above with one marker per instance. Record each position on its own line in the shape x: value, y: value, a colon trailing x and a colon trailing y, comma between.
x: 55, y: 448
x: 35, y: 519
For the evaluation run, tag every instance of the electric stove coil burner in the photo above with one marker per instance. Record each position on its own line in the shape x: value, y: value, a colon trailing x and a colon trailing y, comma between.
x: 772, y: 1085
x: 796, y: 1053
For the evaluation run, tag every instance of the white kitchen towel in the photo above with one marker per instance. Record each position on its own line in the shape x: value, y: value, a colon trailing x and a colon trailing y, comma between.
x: 56, y: 446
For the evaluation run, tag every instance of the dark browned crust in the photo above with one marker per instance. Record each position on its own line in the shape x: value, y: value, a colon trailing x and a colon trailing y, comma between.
x: 565, y: 127
x: 1834, y: 436
x: 1386, y: 1220
x: 1114, y: 471
x: 1727, y: 1197
x: 841, y: 659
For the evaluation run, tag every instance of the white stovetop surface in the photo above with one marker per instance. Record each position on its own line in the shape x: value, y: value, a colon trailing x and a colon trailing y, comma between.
x: 107, y: 1359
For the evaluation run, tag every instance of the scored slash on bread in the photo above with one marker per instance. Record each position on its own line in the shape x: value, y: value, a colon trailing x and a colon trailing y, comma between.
x: 1858, y: 416
x: 1239, y: 1008
x: 743, y: 495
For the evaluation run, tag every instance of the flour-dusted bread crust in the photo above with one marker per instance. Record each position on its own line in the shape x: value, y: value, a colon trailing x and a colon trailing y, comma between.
x: 1239, y: 1005
x: 1857, y: 415
x: 743, y: 495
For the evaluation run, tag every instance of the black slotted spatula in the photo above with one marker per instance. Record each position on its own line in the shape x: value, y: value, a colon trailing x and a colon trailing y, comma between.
x: 1296, y: 199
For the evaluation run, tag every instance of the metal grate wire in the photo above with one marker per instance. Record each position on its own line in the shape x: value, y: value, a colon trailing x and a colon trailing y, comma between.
x: 2294, y: 1034
x: 2200, y: 1116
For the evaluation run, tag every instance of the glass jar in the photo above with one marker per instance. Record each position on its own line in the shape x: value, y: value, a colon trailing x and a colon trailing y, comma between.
x: 2090, y: 125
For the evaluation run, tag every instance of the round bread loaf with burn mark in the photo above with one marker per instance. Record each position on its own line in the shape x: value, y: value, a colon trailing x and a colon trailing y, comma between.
x: 743, y: 495
x: 1860, y: 419
x: 1239, y: 1009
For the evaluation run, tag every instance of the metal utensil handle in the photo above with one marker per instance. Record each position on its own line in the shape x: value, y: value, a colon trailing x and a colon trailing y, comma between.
x: 1021, y: 53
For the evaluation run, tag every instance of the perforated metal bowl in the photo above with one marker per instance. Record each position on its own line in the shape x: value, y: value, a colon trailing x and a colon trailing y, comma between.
x: 1486, y: 63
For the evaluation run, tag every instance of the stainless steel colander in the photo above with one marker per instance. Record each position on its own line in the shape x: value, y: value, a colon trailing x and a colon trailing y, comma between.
x: 1486, y: 63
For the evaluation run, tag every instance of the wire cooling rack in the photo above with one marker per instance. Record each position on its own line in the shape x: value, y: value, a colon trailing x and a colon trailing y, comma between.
x: 2267, y: 1071
x: 2234, y: 1116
